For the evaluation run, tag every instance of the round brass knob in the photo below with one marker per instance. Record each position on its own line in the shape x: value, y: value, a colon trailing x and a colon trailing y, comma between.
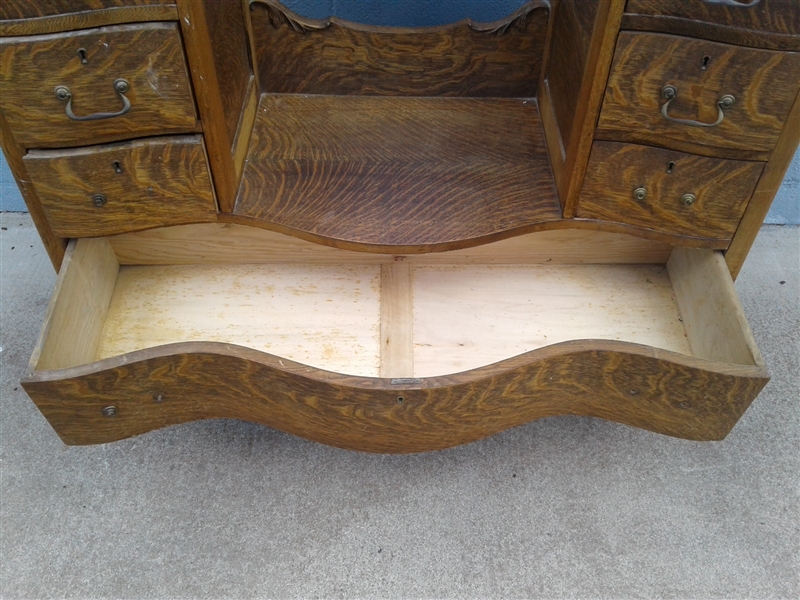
x: 688, y: 199
x: 640, y: 193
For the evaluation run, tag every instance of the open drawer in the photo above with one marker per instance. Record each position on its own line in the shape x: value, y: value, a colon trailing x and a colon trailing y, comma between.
x: 385, y: 353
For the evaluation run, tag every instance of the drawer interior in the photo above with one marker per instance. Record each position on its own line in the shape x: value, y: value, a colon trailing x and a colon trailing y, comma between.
x: 394, y: 318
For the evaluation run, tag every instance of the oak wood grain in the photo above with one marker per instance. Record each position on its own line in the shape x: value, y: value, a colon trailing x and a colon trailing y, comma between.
x: 763, y: 82
x: 579, y: 54
x: 773, y: 24
x: 57, y: 17
x: 149, y: 56
x: 722, y: 189
x: 765, y: 191
x: 332, y: 56
x: 217, y: 48
x: 13, y: 152
x: 146, y: 183
x: 397, y: 171
x: 25, y: 9
x: 636, y: 385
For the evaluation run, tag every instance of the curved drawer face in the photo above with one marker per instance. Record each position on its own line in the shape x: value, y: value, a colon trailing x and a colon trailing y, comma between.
x: 767, y: 23
x: 103, y: 190
x: 666, y: 190
x: 763, y: 85
x: 392, y: 357
x: 85, y: 68
x: 25, y: 9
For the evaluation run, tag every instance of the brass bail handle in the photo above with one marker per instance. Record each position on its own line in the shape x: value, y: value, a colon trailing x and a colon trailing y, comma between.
x: 670, y: 92
x: 121, y: 86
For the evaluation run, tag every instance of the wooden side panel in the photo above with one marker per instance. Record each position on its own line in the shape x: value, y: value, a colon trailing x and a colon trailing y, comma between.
x: 13, y: 152
x: 397, y: 172
x: 764, y: 84
x: 23, y: 17
x: 580, y: 48
x: 215, y: 36
x: 773, y: 24
x: 767, y: 187
x: 78, y: 307
x: 715, y: 323
x: 569, y: 55
x: 149, y: 56
x: 722, y: 189
x: 636, y: 385
x: 145, y: 183
x: 296, y: 55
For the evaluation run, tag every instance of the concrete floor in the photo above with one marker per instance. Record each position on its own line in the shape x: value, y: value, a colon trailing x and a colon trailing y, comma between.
x: 563, y: 507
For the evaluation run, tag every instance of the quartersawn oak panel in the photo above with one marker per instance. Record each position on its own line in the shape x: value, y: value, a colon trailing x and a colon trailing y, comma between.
x: 773, y: 24
x: 722, y: 187
x: 24, y: 17
x: 569, y: 55
x: 763, y: 82
x: 162, y: 181
x: 149, y: 56
x: 397, y: 171
x: 636, y: 385
x: 330, y: 56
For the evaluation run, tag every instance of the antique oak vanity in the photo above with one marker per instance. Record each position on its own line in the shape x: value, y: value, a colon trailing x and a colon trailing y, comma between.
x: 397, y: 240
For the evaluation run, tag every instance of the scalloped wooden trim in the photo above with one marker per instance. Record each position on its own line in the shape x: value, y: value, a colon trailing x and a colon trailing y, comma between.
x: 632, y: 384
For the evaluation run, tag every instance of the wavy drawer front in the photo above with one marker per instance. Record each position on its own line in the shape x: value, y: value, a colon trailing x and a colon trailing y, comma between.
x: 149, y: 56
x: 392, y: 357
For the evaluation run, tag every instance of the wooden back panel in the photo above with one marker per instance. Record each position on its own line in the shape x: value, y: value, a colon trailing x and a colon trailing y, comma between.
x: 296, y: 55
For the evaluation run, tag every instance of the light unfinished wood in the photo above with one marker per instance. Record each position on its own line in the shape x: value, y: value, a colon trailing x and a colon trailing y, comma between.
x: 466, y: 317
x: 323, y: 316
x: 397, y: 306
x: 78, y: 307
x: 715, y: 322
x: 214, y: 243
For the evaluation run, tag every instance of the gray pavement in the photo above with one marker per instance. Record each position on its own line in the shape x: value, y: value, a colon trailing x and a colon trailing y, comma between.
x: 565, y: 507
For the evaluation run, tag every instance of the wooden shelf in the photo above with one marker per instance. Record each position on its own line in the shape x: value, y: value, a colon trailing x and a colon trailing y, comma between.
x: 397, y: 173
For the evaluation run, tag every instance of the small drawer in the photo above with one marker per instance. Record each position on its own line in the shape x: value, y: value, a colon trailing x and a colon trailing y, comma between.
x: 103, y: 190
x: 767, y: 23
x: 667, y: 191
x: 98, y: 85
x: 669, y: 90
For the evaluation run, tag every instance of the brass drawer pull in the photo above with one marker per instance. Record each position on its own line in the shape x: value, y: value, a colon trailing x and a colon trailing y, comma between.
x: 688, y: 199
x: 733, y: 3
x: 670, y: 92
x: 120, y: 85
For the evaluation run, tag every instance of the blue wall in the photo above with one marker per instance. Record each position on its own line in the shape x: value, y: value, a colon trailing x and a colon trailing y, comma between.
x: 420, y: 13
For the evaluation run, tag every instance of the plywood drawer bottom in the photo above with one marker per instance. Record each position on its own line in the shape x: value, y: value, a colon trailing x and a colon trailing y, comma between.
x: 392, y: 357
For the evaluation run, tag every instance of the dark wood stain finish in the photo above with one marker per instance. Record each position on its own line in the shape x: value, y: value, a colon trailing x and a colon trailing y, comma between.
x: 148, y: 56
x: 763, y: 82
x: 773, y: 24
x: 26, y: 9
x: 722, y: 188
x: 162, y: 181
x: 84, y: 19
x: 571, y: 37
x: 296, y: 55
x: 397, y: 171
x: 656, y: 390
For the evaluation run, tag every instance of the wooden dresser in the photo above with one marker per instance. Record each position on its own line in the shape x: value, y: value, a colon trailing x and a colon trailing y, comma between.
x: 397, y: 240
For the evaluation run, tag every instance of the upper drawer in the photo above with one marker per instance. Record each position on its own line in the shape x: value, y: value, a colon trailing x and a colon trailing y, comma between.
x: 762, y: 84
x: 762, y: 23
x: 25, y: 9
x: 85, y: 69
